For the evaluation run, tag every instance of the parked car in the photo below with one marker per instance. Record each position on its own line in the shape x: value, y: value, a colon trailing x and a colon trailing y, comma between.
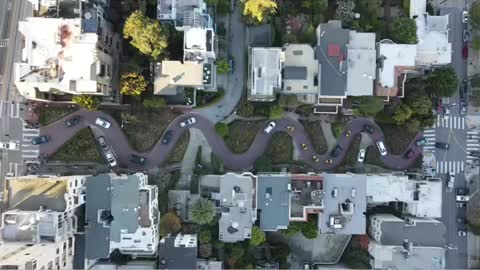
x: 451, y: 181
x: 361, y: 155
x: 189, y: 121
x: 110, y: 159
x: 475, y: 154
x: 137, y: 159
x: 381, y: 148
x: 410, y: 153
x: 269, y: 127
x: 304, y: 146
x: 167, y: 137
x: 465, y: 52
x: 466, y: 35
x: 315, y: 158
x: 73, y: 121
x: 442, y: 145
x: 8, y: 145
x: 463, y: 108
x: 368, y: 128
x: 421, y: 141
x: 103, y: 143
x: 461, y: 233
x: 465, y: 16
x: 40, y: 140
x: 446, y: 113
x: 461, y: 204
x: 462, y: 198
x: 336, y: 151
x: 102, y: 122
x: 328, y: 161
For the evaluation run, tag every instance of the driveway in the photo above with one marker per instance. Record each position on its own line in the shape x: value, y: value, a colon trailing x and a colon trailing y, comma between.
x: 59, y: 134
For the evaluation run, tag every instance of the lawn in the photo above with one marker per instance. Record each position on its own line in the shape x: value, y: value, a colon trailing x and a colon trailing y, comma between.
x: 81, y: 147
x: 397, y: 138
x: 315, y: 134
x: 373, y: 157
x: 352, y: 152
x: 242, y: 134
x: 177, y: 153
x: 48, y: 115
x: 144, y: 128
x: 280, y: 148
x: 338, y: 128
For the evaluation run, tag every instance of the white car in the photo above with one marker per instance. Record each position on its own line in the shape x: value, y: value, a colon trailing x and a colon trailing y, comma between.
x: 189, y: 121
x: 451, y: 181
x: 102, y: 122
x: 381, y: 148
x: 462, y: 233
x: 111, y: 159
x: 269, y: 127
x: 8, y: 145
x: 361, y: 155
x: 463, y: 198
x: 465, y: 16
x: 447, y: 113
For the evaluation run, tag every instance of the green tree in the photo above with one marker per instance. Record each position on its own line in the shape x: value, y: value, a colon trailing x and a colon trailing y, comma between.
x: 413, y: 125
x: 368, y: 10
x: 132, y: 84
x: 475, y: 16
x: 222, y: 129
x: 258, y: 236
x: 205, y: 236
x: 319, y: 6
x: 169, y: 223
x: 223, y: 66
x: 368, y: 106
x: 259, y: 9
x: 288, y: 101
x: 90, y: 103
x: 442, y: 82
x: 476, y: 42
x: 246, y: 109
x: 202, y: 211
x: 276, y: 112
x: 345, y: 10
x: 420, y: 101
x: 146, y: 34
x: 404, y: 30
x: 237, y: 251
x: 154, y: 103
x: 402, y: 114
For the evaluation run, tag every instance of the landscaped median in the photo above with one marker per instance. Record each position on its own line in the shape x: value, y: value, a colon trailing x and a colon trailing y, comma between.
x: 242, y: 133
x: 50, y: 114
x: 81, y: 147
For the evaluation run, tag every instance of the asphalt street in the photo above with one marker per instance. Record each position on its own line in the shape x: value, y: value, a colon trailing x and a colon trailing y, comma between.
x: 59, y: 134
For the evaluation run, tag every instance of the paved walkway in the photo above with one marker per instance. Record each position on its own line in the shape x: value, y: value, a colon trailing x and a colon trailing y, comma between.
x: 328, y: 134
x: 59, y: 134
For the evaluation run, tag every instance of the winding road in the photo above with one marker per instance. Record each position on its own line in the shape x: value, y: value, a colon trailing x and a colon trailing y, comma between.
x: 59, y: 134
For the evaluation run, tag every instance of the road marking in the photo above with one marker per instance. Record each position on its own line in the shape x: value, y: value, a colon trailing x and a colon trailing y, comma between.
x: 453, y: 167
x: 30, y: 156
x: 473, y: 144
x: 439, y: 121
x: 472, y: 132
x: 1, y: 109
x: 455, y: 122
x: 441, y: 166
x: 438, y: 167
x: 462, y: 166
x: 429, y: 135
x: 429, y: 131
x: 463, y: 122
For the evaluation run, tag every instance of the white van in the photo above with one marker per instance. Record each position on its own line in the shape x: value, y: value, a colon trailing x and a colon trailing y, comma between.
x: 381, y: 148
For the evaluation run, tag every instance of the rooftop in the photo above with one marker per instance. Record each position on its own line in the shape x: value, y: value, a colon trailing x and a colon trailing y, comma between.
x: 345, y: 204
x: 265, y: 72
x: 362, y: 66
x: 178, y: 252
x: 273, y: 199
x: 170, y: 74
x: 307, y: 196
x: 433, y: 47
x: 32, y: 226
x: 300, y: 71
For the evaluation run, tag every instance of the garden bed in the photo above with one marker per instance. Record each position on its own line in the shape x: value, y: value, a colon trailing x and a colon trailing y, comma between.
x: 315, y: 134
x: 280, y: 149
x: 48, y: 115
x: 81, y: 147
x: 177, y: 152
x: 397, y: 138
x: 242, y: 134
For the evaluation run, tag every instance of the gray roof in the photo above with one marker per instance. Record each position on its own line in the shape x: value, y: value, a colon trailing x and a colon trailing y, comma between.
x: 423, y: 233
x: 121, y: 198
x: 273, y: 201
x: 333, y: 78
x: 79, y: 254
x: 420, y: 258
x: 294, y: 73
x: 236, y: 205
x: 176, y: 257
x: 361, y: 63
x: 354, y: 221
x: 264, y: 72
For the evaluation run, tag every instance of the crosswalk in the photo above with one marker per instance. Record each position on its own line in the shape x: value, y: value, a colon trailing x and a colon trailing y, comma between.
x: 473, y: 144
x: 429, y: 135
x: 454, y: 122
x: 29, y: 151
x: 450, y: 166
x: 9, y: 109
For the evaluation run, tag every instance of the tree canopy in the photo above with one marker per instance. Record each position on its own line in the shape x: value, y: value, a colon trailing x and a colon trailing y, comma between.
x: 202, y: 211
x: 442, y: 82
x: 345, y: 10
x: 368, y: 10
x: 402, y: 114
x: 258, y: 9
x: 132, y: 84
x: 475, y: 15
x: 146, y: 34
x: 169, y: 223
x: 154, y: 103
x: 404, y: 30
x: 90, y: 103
x: 368, y: 106
x: 223, y: 66
x: 258, y: 236
x: 276, y: 112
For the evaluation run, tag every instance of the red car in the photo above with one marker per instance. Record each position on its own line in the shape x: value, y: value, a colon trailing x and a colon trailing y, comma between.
x: 465, y: 52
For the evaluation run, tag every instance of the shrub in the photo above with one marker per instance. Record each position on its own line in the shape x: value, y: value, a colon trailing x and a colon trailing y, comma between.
x: 222, y: 129
x: 154, y: 103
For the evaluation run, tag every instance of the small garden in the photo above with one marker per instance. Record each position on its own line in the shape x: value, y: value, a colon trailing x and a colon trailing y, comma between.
x: 241, y: 134
x: 280, y: 148
x: 81, y: 147
x: 178, y: 151
x: 315, y: 134
x: 204, y: 98
x: 50, y: 114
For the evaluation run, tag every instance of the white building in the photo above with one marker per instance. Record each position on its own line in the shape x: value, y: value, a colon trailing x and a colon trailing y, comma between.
x: 37, y: 232
x: 71, y: 51
x: 121, y: 213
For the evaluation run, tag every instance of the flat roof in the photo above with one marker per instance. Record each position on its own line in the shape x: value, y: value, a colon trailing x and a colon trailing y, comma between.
x: 172, y: 254
x: 273, y: 201
x: 361, y: 63
x: 433, y: 47
x: 392, y: 56
x: 342, y: 190
x: 169, y: 74
x: 331, y: 52
x: 300, y: 72
x: 265, y: 71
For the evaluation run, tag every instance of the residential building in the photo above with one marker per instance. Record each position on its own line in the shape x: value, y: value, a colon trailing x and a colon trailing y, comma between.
x: 178, y: 252
x: 307, y: 196
x: 264, y: 73
x: 69, y: 51
x: 273, y: 201
x: 172, y: 76
x: 121, y: 213
x: 406, y: 244
x: 418, y: 198
x: 37, y: 232
x: 203, y: 264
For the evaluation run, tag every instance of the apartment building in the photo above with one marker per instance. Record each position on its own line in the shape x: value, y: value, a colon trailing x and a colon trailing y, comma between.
x: 37, y: 230
x: 70, y: 49
x: 121, y: 213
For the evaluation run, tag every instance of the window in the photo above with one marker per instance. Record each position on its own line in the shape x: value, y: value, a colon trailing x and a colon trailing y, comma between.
x: 109, y: 70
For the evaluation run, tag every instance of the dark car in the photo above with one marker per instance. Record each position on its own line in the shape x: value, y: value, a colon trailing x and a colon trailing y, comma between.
x: 103, y: 143
x: 410, y: 153
x: 442, y: 145
x: 368, y: 128
x: 421, y: 141
x: 73, y: 121
x: 137, y: 159
x: 167, y: 137
x: 461, y: 191
x: 40, y: 140
x: 475, y: 154
x: 336, y: 151
x: 465, y: 52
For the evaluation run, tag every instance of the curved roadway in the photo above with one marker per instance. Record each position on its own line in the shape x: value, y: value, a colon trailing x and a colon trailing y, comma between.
x: 59, y: 134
